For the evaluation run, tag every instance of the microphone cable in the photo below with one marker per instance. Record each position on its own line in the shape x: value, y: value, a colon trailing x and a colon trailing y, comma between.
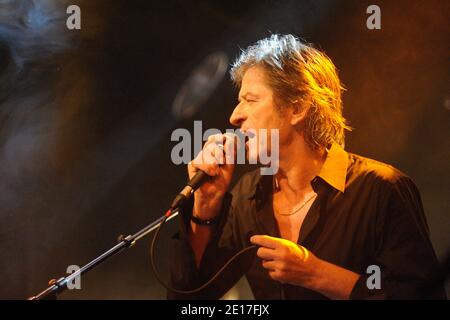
x: 203, y: 286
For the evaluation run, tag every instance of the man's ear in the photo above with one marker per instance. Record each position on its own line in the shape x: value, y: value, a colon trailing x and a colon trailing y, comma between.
x: 298, y: 113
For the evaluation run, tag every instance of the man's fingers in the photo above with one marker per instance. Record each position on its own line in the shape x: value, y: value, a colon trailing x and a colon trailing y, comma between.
x: 206, y: 162
x: 229, y: 149
x: 265, y: 241
x: 212, y: 152
x: 219, y: 150
x: 265, y: 253
x: 305, y: 253
x: 225, y: 148
x: 269, y: 264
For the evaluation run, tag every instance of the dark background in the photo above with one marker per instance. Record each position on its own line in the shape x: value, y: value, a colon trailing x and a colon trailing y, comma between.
x: 85, y: 118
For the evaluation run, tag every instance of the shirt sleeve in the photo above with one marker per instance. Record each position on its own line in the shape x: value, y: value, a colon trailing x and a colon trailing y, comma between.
x: 184, y: 273
x: 404, y: 252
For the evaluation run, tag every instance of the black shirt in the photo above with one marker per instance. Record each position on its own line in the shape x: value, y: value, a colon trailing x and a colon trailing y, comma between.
x: 366, y: 213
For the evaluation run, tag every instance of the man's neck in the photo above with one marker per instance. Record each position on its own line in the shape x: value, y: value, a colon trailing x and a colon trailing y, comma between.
x: 298, y: 166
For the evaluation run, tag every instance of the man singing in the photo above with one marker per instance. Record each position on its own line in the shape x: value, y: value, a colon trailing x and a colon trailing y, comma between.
x: 323, y: 219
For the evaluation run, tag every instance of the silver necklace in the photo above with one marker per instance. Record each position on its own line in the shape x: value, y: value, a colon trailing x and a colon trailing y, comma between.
x: 297, y: 209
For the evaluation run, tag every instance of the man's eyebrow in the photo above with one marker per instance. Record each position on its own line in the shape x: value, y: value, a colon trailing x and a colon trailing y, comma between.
x: 248, y: 95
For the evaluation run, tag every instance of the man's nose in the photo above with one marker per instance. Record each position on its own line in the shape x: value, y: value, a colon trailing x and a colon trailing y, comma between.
x: 237, y: 117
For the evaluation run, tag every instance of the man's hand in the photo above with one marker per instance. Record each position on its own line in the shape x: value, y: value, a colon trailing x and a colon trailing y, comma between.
x: 288, y: 262
x: 217, y: 160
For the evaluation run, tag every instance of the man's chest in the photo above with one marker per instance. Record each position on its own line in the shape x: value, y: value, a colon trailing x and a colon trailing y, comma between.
x: 289, y: 226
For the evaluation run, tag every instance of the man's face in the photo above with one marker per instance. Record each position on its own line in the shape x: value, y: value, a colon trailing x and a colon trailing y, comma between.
x: 256, y: 110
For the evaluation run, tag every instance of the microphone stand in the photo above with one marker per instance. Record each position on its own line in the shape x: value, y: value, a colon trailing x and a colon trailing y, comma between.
x: 58, y: 286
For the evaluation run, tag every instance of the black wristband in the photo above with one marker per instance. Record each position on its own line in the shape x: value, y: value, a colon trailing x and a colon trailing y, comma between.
x: 206, y: 222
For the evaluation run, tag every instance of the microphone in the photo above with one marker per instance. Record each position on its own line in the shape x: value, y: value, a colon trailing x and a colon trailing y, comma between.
x: 197, y: 180
x: 193, y: 184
